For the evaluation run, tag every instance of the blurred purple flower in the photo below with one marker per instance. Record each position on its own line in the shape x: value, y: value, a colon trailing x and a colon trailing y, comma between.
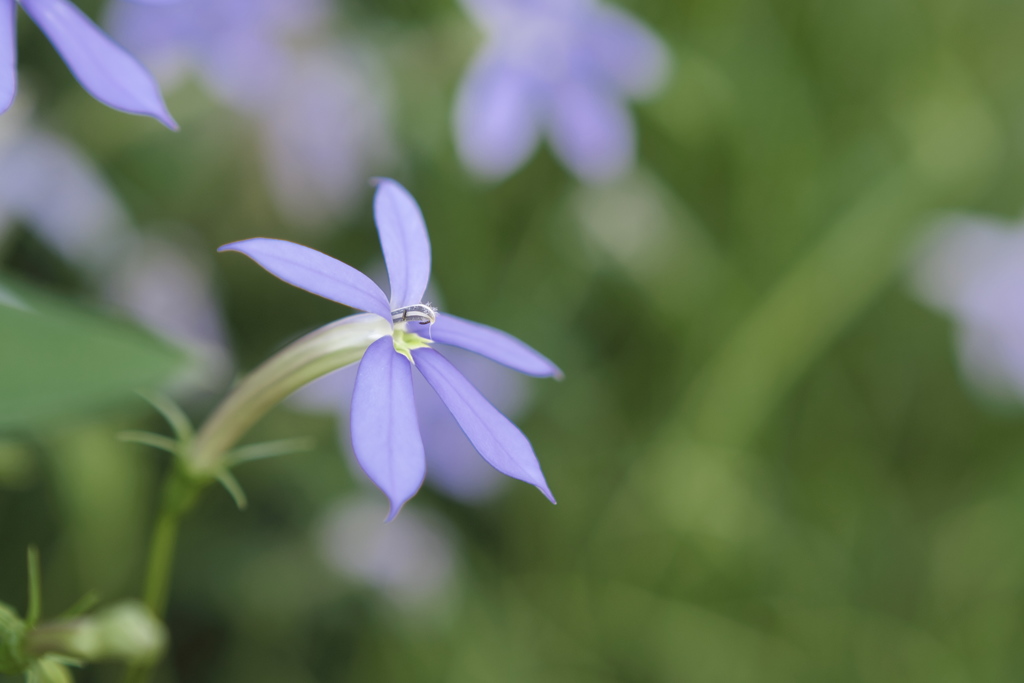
x: 413, y: 560
x: 104, y: 68
x: 240, y: 48
x: 321, y: 133
x: 51, y: 188
x: 973, y: 269
x: 385, y: 430
x: 558, y: 67
x: 168, y: 289
x: 321, y: 117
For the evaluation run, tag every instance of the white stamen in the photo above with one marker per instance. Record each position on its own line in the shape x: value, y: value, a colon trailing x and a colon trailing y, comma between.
x: 424, y: 314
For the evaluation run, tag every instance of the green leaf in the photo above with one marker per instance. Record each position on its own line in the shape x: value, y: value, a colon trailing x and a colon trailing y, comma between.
x: 56, y: 358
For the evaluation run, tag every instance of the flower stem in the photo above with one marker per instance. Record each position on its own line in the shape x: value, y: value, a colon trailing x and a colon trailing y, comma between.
x: 318, y: 353
x: 179, y: 495
x: 202, y: 459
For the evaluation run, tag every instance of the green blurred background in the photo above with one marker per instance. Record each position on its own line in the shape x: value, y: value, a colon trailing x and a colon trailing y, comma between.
x: 768, y: 465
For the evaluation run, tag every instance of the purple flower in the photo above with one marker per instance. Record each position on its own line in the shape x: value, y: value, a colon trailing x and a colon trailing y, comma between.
x: 384, y: 426
x: 453, y: 467
x: 103, y: 67
x: 561, y: 68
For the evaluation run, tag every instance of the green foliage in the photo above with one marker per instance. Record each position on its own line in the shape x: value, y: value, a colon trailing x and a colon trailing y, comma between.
x: 58, y: 358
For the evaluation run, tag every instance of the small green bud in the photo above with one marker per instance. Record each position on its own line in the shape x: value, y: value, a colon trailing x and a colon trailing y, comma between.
x: 12, y: 640
x: 127, y: 632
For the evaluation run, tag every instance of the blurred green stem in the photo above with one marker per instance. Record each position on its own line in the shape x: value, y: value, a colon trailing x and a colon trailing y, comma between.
x: 807, y: 310
x: 179, y: 496
x: 180, y: 493
x: 699, y: 465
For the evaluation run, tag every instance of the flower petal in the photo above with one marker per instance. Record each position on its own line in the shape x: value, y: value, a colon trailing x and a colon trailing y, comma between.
x: 631, y: 56
x: 385, y: 431
x: 592, y: 132
x: 496, y: 439
x: 103, y: 67
x: 497, y: 122
x: 8, y: 53
x: 403, y: 237
x: 315, y: 272
x: 493, y: 343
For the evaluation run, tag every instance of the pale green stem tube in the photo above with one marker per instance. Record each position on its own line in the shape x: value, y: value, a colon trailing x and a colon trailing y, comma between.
x: 318, y: 353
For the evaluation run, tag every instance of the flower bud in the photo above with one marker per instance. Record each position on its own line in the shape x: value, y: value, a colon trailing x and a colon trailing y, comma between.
x: 127, y: 631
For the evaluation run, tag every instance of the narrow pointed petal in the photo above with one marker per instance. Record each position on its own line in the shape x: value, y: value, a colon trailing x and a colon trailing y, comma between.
x: 105, y: 69
x: 403, y: 237
x: 632, y: 57
x: 499, y: 346
x: 497, y: 119
x: 492, y: 434
x: 8, y: 53
x: 385, y: 431
x: 315, y: 272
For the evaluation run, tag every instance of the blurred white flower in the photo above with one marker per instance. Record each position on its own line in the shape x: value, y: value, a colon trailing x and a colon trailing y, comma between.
x: 411, y: 559
x: 972, y: 268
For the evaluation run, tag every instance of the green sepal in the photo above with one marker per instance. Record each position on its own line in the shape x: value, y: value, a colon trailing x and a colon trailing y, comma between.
x: 172, y: 412
x: 158, y: 441
x: 231, y: 485
x: 407, y: 342
x: 268, y: 449
x: 81, y: 606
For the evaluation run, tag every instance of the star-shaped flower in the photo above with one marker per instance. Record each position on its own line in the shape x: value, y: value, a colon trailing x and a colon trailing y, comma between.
x: 385, y: 431
x: 103, y: 67
x: 562, y: 68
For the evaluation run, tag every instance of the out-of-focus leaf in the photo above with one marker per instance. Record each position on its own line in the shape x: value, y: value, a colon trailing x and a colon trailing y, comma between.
x: 56, y: 358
